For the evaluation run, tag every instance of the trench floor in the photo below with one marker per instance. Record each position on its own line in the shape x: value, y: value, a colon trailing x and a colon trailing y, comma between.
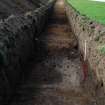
x: 58, y: 78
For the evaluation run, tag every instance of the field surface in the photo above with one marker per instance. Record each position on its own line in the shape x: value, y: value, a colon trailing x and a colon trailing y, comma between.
x: 95, y: 10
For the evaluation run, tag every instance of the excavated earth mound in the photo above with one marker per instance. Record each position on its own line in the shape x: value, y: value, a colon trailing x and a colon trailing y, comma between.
x: 17, y: 7
x: 21, y: 22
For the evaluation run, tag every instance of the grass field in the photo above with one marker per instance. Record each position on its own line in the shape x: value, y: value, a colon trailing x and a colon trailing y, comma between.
x: 92, y: 9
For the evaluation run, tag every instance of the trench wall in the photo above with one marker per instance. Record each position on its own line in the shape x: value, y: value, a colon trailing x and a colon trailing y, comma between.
x: 17, y: 45
x: 92, y: 35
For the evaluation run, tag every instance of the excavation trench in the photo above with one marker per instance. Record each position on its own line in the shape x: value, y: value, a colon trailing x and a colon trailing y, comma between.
x: 57, y: 79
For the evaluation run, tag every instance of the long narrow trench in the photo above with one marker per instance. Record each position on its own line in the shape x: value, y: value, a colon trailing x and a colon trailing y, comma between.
x: 57, y: 79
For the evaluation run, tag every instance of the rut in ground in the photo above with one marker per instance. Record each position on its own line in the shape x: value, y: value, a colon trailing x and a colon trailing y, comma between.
x: 57, y: 80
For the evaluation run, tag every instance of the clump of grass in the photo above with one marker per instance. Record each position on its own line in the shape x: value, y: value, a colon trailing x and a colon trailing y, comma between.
x: 102, y: 49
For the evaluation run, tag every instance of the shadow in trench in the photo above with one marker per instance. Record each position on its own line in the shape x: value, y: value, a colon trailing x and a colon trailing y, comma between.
x: 39, y: 72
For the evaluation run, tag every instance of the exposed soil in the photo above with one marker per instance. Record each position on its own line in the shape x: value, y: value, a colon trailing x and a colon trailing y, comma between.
x: 10, y: 8
x: 57, y: 80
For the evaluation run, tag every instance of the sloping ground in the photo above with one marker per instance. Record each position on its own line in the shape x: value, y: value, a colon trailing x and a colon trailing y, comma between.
x: 58, y: 78
x: 91, y: 40
x: 17, y: 7
x: 93, y: 9
x: 18, y: 45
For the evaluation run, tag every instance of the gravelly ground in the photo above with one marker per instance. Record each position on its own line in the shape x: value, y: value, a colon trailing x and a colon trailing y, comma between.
x: 57, y: 80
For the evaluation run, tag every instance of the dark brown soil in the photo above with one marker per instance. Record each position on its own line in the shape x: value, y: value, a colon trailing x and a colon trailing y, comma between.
x: 57, y: 80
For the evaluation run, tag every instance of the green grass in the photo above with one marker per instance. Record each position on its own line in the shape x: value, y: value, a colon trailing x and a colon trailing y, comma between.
x: 92, y: 9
